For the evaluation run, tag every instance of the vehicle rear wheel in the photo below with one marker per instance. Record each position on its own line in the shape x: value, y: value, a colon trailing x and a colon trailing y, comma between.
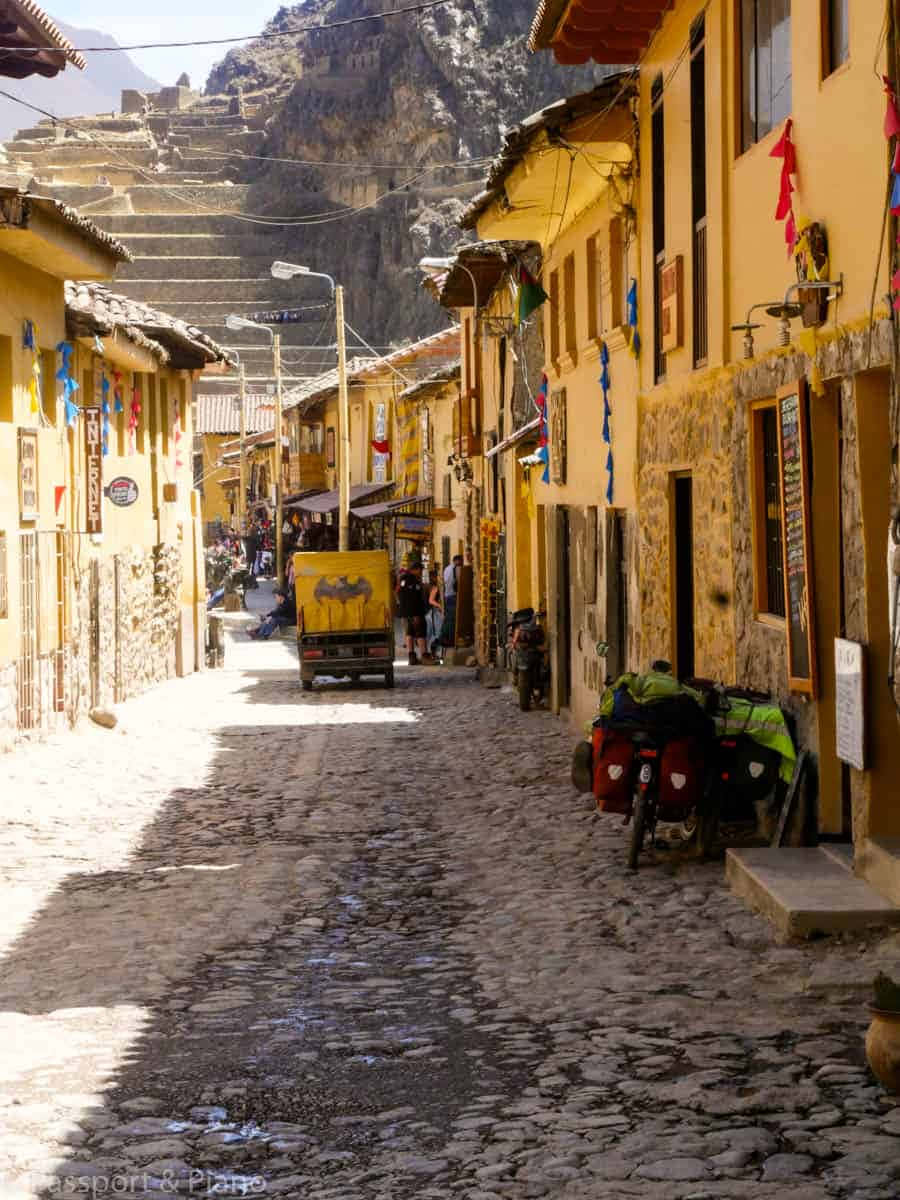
x: 389, y: 678
x: 306, y: 684
x: 523, y: 682
x: 638, y: 827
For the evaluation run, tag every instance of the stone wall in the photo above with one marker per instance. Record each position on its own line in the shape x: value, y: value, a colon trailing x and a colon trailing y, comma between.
x: 687, y: 430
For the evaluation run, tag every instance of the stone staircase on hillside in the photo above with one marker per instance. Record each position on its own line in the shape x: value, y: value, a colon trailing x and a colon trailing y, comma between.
x: 151, y: 180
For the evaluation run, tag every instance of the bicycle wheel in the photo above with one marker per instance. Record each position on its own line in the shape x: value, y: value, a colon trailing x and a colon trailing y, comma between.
x: 638, y: 827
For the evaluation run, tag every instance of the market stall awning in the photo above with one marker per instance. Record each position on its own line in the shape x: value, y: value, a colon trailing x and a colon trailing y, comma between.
x: 607, y: 31
x: 399, y: 506
x: 514, y: 438
x: 326, y: 502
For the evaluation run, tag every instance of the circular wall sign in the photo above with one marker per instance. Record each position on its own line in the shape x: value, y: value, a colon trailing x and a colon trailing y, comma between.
x: 122, y: 491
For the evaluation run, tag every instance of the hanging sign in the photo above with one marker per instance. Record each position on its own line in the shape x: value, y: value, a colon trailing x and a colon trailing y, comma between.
x: 849, y: 673
x: 793, y: 434
x: 121, y: 491
x: 28, y: 475
x: 93, y: 458
x: 671, y: 284
x: 413, y: 527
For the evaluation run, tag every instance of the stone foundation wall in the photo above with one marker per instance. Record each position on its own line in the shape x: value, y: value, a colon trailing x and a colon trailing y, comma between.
x: 687, y: 430
x: 7, y: 706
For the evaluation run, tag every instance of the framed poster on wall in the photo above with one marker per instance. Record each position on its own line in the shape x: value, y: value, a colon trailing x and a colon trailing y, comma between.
x: 28, y: 475
x: 800, y: 609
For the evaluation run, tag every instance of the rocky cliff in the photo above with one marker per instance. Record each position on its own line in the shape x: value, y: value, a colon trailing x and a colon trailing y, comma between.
x: 406, y: 105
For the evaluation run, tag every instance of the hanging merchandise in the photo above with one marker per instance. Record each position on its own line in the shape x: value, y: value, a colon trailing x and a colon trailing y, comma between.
x: 891, y: 130
x: 631, y: 304
x: 530, y: 295
x: 134, y: 417
x: 784, y: 211
x: 176, y: 433
x: 381, y: 447
x: 543, y: 450
x: 66, y: 377
x: 30, y: 342
x: 104, y: 408
x: 118, y: 406
x: 607, y: 413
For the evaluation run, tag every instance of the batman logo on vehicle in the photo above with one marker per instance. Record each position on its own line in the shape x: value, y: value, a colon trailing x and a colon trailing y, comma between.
x: 340, y: 588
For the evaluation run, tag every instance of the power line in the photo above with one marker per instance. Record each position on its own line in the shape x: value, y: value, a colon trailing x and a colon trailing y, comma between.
x: 248, y: 37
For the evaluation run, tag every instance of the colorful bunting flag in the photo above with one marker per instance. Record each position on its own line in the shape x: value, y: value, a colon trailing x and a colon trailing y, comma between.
x: 784, y: 209
x: 531, y: 295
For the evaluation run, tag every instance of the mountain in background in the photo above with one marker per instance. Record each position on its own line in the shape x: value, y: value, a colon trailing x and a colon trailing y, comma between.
x: 74, y: 93
x: 412, y: 91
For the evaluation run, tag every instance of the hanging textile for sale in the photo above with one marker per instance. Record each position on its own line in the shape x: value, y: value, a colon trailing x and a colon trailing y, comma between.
x: 543, y: 450
x: 134, y: 417
x: 891, y: 130
x: 118, y: 406
x: 30, y: 342
x: 104, y: 408
x: 64, y: 374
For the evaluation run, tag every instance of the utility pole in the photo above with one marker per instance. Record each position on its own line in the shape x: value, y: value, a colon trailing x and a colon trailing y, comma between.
x: 279, y: 464
x: 242, y: 501
x: 343, y: 427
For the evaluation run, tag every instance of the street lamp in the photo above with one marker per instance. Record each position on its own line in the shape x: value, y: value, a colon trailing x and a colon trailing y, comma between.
x: 242, y: 410
x: 234, y: 322
x: 285, y: 270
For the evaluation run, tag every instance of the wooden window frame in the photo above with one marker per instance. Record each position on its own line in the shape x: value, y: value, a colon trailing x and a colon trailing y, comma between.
x: 593, y: 266
x: 553, y: 316
x: 828, y: 66
x: 761, y: 610
x: 569, y: 310
x: 4, y: 576
x: 742, y: 146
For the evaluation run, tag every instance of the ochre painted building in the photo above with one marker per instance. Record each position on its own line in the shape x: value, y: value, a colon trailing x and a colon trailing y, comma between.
x: 767, y: 436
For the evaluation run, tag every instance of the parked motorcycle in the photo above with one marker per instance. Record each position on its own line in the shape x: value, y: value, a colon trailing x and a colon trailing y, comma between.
x: 526, y: 639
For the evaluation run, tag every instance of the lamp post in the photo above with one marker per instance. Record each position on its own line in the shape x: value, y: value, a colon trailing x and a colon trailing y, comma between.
x: 285, y: 270
x: 235, y: 322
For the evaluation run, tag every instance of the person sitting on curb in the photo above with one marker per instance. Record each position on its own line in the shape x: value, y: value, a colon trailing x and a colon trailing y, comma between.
x: 284, y: 613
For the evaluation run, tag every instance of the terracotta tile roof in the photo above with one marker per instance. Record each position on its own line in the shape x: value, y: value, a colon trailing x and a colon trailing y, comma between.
x: 615, y: 89
x: 308, y: 394
x: 88, y: 230
x: 487, y: 262
x: 436, y: 346
x: 219, y: 413
x: 95, y: 307
x: 445, y: 374
x: 29, y: 16
x: 618, y: 31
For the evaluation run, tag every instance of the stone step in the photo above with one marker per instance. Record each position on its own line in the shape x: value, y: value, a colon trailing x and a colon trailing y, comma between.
x: 262, y: 291
x: 213, y: 268
x: 174, y: 223
x: 163, y: 198
x: 162, y: 248
x: 804, y: 892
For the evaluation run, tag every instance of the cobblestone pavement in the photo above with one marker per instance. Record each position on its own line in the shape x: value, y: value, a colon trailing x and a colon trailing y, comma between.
x: 369, y: 945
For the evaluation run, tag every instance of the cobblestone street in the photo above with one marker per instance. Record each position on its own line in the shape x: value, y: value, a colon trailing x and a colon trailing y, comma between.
x: 366, y: 944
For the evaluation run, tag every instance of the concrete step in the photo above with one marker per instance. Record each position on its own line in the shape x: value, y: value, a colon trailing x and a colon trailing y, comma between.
x: 878, y: 861
x: 804, y: 892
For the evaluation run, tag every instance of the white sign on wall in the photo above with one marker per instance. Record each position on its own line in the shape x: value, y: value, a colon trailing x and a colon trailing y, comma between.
x: 850, y: 682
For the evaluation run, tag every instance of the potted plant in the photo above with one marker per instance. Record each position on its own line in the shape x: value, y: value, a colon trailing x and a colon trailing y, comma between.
x: 883, y: 1037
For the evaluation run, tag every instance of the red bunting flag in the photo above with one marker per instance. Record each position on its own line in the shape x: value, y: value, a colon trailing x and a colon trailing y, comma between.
x: 785, y: 150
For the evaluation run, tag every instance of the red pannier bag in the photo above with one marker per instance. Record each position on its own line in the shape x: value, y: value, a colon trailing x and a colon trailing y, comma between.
x: 681, y: 771
x: 613, y: 755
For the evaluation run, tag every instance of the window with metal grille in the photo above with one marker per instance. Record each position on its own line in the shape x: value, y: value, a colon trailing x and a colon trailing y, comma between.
x: 765, y: 67
x: 658, y: 190
x: 835, y: 34
x: 700, y: 285
x: 768, y: 514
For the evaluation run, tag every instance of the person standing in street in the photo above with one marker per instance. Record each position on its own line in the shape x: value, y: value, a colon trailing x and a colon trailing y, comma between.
x: 412, y: 605
x: 251, y: 548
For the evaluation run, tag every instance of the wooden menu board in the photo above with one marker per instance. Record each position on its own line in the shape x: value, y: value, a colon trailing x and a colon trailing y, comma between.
x: 793, y: 447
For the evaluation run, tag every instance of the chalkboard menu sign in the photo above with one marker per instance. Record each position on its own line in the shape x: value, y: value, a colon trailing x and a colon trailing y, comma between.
x: 793, y: 435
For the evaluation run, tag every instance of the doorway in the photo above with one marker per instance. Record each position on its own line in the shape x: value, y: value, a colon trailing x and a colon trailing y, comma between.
x: 563, y: 664
x: 683, y: 574
x: 616, y: 594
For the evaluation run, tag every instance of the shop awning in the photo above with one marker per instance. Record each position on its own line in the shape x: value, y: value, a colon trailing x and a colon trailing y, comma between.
x: 386, y: 508
x: 326, y: 502
x: 514, y: 438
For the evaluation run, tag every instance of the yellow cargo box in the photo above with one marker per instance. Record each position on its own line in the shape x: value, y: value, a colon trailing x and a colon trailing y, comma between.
x: 343, y: 591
